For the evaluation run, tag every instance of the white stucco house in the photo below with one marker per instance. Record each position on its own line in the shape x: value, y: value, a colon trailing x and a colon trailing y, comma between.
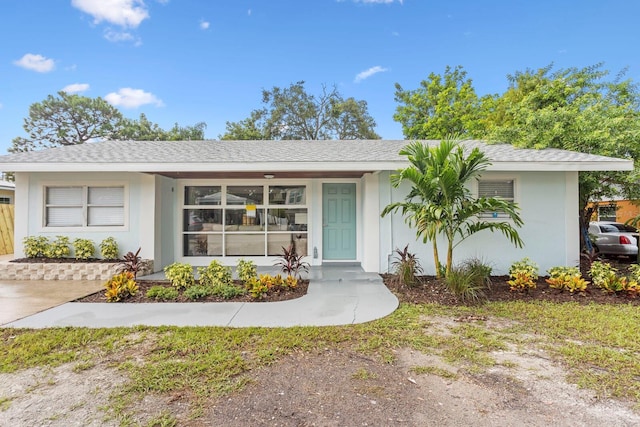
x: 195, y: 201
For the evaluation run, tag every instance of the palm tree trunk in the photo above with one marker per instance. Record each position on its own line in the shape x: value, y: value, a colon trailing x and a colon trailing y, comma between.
x: 436, y: 259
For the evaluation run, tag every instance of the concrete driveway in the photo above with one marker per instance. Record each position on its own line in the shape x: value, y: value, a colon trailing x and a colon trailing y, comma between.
x: 22, y: 298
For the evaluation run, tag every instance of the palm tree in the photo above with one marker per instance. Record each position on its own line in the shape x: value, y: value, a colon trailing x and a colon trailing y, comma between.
x: 440, y: 201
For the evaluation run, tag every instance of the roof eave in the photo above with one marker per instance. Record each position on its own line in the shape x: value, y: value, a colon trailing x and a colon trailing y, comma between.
x: 506, y: 166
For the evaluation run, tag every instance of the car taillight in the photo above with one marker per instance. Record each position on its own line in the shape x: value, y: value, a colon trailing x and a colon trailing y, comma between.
x: 624, y: 240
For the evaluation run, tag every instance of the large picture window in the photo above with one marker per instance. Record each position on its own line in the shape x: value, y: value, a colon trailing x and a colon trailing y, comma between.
x: 84, y: 206
x: 243, y: 220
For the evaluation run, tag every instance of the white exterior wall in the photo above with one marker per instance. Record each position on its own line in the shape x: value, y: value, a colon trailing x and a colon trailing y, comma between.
x: 138, y: 231
x: 549, y: 209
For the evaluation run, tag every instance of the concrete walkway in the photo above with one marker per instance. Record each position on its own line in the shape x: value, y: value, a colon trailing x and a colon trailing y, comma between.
x: 337, y: 295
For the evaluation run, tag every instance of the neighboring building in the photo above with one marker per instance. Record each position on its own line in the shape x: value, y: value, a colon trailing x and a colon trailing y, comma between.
x: 195, y: 201
x: 617, y: 210
x: 7, y: 190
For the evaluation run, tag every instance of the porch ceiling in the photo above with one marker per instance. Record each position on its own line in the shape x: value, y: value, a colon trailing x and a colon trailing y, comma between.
x: 261, y: 174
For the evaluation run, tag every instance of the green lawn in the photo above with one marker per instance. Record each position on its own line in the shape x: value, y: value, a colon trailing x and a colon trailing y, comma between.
x: 598, y: 343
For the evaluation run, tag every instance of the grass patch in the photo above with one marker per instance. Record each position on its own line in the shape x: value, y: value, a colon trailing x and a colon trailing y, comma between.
x: 598, y: 343
x: 433, y: 370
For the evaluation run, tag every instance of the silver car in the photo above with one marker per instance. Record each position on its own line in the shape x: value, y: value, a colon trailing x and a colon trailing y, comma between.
x: 614, y: 238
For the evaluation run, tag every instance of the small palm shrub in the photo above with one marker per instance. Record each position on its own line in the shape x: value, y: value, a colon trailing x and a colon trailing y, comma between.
x: 405, y: 267
x: 35, y: 246
x: 523, y: 275
x: 83, y: 248
x: 109, y: 248
x: 162, y: 293
x: 120, y: 286
x: 180, y: 275
x: 59, y: 248
x: 566, y: 278
x: 215, y: 274
x: 246, y: 270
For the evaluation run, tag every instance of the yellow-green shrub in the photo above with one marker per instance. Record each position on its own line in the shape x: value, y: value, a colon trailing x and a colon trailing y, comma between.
x: 523, y: 275
x: 566, y: 278
x: 180, y: 275
x: 121, y: 286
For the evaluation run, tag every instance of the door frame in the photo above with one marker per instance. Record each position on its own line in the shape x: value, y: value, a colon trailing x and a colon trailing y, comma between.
x: 319, y: 234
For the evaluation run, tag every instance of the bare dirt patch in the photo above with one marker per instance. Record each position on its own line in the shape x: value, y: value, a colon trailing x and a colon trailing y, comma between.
x: 332, y: 387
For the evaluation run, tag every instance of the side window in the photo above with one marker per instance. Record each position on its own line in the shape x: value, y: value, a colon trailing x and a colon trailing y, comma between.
x: 84, y: 206
x: 498, y: 188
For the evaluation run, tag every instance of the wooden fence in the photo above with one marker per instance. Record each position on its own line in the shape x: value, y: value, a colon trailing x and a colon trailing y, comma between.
x: 6, y: 229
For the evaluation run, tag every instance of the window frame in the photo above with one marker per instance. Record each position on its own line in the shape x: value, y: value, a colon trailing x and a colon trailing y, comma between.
x: 85, y: 206
x: 224, y: 207
x: 497, y: 216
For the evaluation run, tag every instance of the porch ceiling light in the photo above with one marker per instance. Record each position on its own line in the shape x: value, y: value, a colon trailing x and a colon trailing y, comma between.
x: 269, y: 175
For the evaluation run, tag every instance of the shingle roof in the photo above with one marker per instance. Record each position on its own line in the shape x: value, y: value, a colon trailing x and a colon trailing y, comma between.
x: 236, y: 155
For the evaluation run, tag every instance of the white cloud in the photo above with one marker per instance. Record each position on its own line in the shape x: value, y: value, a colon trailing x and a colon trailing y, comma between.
x: 117, y: 36
x: 36, y: 63
x: 370, y: 72
x: 125, y: 13
x: 204, y: 25
x: 76, y: 88
x: 132, y: 98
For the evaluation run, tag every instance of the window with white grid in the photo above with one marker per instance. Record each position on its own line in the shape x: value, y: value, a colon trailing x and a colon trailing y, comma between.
x: 84, y: 206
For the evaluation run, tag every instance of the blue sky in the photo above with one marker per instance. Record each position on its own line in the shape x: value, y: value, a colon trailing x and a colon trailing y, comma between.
x: 188, y: 61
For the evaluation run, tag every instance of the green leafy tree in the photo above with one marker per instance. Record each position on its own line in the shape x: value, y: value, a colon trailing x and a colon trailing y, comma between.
x: 145, y: 130
x: 440, y: 202
x: 573, y: 109
x: 67, y: 120
x: 441, y: 106
x: 292, y: 114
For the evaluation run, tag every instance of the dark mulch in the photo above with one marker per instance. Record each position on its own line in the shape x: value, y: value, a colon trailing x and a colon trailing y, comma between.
x: 144, y: 285
x: 432, y: 290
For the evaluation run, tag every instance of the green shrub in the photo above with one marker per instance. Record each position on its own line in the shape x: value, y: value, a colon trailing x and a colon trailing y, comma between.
x: 405, y: 267
x: 120, y: 286
x: 468, y: 284
x: 84, y: 248
x: 180, y: 275
x: 246, y: 270
x: 228, y: 291
x: 35, y: 246
x: 523, y: 275
x: 215, y: 274
x: 197, y: 292
x: 109, y: 248
x: 566, y: 278
x: 605, y: 277
x: 59, y: 248
x: 162, y: 293
x: 479, y: 269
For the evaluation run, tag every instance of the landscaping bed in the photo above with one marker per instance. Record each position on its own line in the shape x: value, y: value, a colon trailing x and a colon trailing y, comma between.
x: 145, y: 285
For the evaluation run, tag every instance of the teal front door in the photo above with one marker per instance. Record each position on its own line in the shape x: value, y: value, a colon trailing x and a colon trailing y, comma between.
x: 339, y: 221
